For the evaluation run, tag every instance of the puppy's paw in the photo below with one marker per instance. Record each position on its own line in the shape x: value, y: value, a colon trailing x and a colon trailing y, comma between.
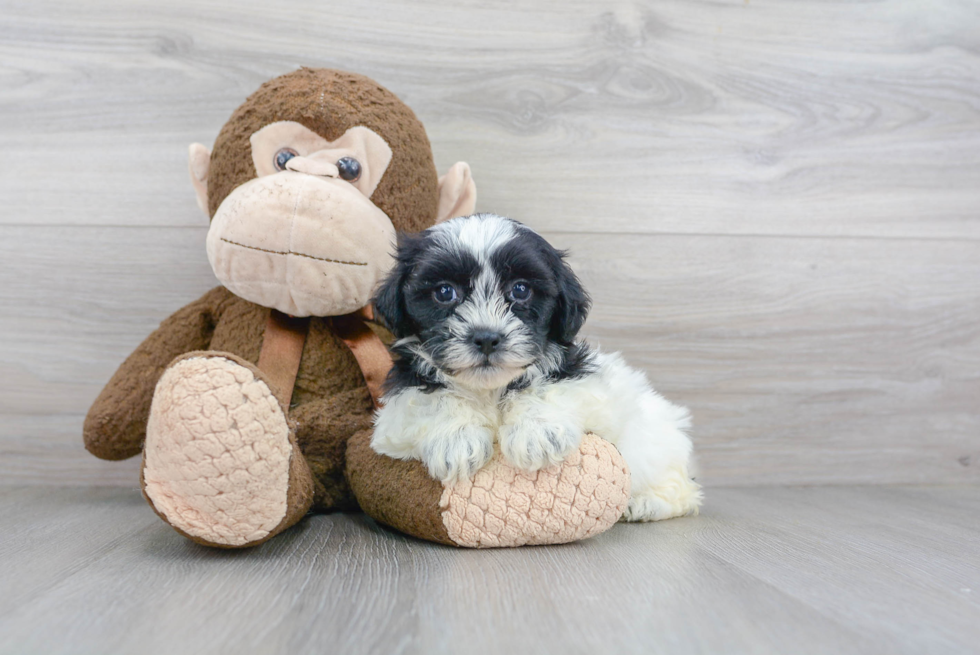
x: 458, y: 454
x: 537, y: 438
x: 672, y: 494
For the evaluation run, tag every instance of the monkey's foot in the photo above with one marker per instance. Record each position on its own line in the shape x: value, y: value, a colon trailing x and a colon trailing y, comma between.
x: 501, y: 506
x: 220, y: 463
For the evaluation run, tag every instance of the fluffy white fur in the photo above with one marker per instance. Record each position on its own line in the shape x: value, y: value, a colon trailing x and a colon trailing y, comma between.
x: 453, y: 431
x: 454, y: 428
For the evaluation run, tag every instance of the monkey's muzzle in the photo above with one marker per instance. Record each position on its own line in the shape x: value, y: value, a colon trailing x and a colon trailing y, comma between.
x: 302, y: 244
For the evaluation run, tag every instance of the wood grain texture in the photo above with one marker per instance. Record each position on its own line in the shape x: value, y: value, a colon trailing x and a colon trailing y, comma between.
x: 762, y: 570
x: 775, y: 205
x: 855, y: 118
x: 803, y: 360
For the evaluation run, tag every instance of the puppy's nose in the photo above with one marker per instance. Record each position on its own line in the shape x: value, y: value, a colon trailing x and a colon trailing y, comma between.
x: 486, y: 340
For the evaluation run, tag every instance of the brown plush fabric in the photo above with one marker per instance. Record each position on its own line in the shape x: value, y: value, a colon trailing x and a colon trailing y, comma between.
x: 330, y: 102
x: 329, y: 416
x: 116, y: 423
x: 400, y: 494
x: 330, y: 400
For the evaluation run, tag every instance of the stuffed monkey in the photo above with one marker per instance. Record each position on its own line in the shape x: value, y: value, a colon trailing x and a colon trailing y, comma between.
x: 252, y: 405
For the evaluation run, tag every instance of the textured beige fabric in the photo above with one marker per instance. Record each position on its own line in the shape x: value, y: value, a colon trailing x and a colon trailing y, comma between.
x: 199, y: 164
x: 501, y: 506
x: 317, y: 156
x: 305, y: 245
x: 457, y: 192
x: 217, y: 452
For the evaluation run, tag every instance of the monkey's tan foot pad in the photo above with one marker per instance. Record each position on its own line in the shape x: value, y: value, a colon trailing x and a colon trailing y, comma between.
x: 501, y: 506
x: 220, y: 463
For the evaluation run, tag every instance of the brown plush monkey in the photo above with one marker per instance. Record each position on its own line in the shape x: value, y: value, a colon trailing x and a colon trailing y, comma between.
x: 252, y: 405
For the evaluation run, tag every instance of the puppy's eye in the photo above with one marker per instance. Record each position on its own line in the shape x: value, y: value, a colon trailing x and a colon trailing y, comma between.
x: 520, y: 292
x: 350, y: 168
x: 445, y: 294
x: 283, y: 156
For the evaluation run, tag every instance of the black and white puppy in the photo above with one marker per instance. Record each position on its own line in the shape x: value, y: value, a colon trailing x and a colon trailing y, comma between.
x: 485, y: 313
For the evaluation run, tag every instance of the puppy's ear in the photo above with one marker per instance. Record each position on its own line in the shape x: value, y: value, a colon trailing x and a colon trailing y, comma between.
x: 573, y: 305
x: 389, y: 300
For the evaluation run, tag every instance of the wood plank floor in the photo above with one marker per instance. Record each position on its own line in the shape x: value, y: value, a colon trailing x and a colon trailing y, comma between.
x: 781, y: 570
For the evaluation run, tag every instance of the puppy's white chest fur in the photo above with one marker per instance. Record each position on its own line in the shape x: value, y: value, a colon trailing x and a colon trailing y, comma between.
x: 453, y: 431
x: 486, y: 312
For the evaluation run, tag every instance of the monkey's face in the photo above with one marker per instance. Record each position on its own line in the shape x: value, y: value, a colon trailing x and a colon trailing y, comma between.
x: 309, y: 180
x: 304, y: 237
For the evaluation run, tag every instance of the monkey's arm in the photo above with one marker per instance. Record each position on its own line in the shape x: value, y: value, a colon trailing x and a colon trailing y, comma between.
x: 116, y: 423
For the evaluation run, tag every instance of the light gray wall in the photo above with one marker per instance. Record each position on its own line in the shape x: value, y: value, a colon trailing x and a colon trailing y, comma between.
x: 775, y: 204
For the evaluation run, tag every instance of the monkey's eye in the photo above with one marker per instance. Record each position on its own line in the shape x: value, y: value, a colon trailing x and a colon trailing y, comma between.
x: 282, y: 157
x: 445, y: 294
x: 350, y: 168
x: 520, y: 292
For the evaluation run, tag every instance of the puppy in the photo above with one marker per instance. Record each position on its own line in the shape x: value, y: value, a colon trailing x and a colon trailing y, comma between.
x: 485, y: 313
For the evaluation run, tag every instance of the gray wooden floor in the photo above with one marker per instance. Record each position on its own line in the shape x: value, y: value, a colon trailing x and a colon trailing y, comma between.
x: 762, y: 570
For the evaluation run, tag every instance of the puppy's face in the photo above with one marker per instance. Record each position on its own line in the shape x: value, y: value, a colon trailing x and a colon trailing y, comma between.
x: 481, y: 299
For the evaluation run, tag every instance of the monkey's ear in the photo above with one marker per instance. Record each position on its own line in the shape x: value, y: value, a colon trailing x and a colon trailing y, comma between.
x: 199, y: 163
x: 457, y: 193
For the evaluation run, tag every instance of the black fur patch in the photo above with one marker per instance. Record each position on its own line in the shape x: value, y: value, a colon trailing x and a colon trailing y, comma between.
x: 577, y: 362
x: 552, y: 315
x: 406, y: 373
x: 529, y: 256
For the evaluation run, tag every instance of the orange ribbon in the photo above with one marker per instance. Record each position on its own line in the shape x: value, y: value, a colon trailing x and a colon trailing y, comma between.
x: 370, y: 352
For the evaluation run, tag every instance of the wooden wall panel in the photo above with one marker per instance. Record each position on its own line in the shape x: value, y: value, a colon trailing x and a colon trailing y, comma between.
x: 855, y: 118
x: 803, y: 359
x: 776, y: 205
